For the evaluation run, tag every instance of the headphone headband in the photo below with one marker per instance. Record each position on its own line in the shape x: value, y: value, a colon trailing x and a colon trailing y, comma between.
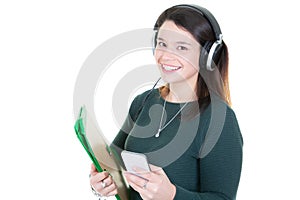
x: 208, y: 16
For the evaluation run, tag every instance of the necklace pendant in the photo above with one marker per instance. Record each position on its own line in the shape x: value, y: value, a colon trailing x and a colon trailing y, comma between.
x: 157, y: 134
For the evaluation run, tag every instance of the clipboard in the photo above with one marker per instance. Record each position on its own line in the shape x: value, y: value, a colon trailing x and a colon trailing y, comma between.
x: 101, y: 154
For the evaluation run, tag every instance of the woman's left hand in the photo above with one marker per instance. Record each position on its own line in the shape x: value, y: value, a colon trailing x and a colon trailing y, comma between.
x: 152, y: 185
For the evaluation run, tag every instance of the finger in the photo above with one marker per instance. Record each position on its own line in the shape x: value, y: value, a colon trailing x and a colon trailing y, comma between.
x: 156, y: 169
x: 108, y: 189
x: 98, y: 177
x: 102, y: 175
x: 108, y: 180
x: 145, y: 194
x: 93, y: 169
x: 114, y: 192
x: 136, y: 180
x: 135, y: 186
x: 141, y: 171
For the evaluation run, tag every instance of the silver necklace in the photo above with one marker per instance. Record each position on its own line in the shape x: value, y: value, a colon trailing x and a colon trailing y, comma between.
x: 162, y: 116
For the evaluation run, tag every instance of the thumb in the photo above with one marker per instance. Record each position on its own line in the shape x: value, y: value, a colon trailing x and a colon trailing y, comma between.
x: 93, y: 169
x: 156, y: 169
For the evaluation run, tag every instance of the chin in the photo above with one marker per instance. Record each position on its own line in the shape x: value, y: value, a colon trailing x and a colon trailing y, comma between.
x: 172, y: 79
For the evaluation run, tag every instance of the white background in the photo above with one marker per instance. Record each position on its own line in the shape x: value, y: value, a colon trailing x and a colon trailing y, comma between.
x: 44, y: 43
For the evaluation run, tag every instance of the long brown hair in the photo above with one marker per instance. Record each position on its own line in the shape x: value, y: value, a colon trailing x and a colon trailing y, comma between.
x: 196, y: 24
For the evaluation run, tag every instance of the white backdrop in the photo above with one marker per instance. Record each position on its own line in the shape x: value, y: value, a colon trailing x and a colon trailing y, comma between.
x: 44, y: 43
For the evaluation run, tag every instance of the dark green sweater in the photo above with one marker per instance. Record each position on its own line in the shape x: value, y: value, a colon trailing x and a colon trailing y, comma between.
x: 209, y: 173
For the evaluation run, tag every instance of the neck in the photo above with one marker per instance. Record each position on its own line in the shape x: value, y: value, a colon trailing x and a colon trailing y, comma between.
x: 181, y: 92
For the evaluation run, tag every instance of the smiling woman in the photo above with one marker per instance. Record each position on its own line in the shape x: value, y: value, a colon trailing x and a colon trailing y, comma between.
x: 186, y: 128
x: 177, y: 55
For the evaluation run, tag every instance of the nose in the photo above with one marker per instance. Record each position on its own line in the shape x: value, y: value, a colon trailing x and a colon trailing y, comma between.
x: 165, y: 55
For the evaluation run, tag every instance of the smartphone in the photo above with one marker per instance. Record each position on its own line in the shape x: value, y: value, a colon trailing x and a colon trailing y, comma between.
x: 135, y: 160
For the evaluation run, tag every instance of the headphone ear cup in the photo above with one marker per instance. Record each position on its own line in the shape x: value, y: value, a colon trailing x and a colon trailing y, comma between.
x: 216, y: 54
x: 154, y: 42
x: 206, y: 51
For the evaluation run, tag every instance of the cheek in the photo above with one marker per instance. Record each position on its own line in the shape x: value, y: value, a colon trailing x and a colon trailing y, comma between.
x: 195, y: 59
x: 191, y: 68
x: 191, y: 60
x: 157, y: 55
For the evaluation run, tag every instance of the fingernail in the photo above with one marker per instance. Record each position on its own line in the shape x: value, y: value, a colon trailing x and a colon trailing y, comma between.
x: 126, y: 173
x: 135, y: 168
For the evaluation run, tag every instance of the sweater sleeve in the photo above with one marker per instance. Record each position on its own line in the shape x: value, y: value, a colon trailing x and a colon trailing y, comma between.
x: 220, y: 170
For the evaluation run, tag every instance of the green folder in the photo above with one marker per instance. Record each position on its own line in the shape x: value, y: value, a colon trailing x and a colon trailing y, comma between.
x: 96, y: 146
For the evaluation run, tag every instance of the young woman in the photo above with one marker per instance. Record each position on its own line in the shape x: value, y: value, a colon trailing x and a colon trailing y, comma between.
x: 186, y: 128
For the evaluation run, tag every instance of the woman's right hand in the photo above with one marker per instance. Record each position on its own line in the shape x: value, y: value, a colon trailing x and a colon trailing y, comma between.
x: 102, y: 182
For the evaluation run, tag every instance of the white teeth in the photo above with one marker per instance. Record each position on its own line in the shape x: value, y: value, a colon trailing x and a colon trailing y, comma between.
x: 170, y: 68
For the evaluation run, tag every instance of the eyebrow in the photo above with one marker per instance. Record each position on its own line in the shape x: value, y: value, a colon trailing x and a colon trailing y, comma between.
x: 178, y: 42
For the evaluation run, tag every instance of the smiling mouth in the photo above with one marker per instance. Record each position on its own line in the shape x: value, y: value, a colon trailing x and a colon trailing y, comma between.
x: 170, y: 67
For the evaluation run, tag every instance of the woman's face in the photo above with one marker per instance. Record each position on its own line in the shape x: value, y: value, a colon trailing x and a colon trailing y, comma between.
x: 177, y: 54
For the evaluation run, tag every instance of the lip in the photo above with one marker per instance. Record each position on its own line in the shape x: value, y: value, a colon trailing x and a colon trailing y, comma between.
x: 170, y: 68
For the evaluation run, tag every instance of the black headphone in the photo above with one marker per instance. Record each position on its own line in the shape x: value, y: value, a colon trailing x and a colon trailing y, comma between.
x: 210, y: 52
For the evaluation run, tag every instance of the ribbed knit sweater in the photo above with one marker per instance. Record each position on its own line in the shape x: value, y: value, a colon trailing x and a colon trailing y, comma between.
x: 212, y: 175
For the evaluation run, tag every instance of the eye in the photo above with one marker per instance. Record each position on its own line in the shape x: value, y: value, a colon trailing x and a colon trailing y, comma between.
x: 161, y: 44
x: 182, y: 48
